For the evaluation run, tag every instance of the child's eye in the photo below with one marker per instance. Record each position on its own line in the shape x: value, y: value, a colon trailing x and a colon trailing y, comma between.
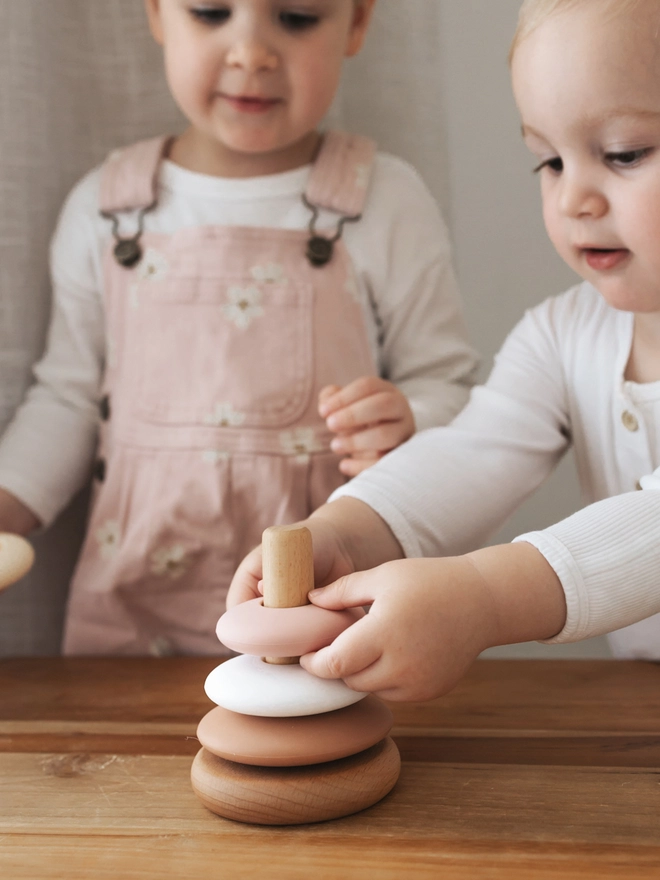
x: 628, y: 158
x: 211, y: 15
x: 555, y: 165
x: 298, y: 21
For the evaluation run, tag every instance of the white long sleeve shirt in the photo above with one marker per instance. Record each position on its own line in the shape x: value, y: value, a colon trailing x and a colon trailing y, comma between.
x: 400, y: 252
x: 558, y: 381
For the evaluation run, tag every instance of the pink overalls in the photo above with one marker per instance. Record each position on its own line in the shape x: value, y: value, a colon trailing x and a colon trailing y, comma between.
x: 219, y: 340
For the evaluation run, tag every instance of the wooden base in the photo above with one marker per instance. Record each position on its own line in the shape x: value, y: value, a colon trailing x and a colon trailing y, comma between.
x: 295, y: 795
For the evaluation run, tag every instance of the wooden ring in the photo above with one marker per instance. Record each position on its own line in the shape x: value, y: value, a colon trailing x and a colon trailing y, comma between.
x: 251, y: 628
x: 16, y: 558
x: 295, y: 795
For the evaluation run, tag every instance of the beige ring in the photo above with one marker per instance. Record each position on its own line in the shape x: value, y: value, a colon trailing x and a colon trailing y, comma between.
x: 16, y: 558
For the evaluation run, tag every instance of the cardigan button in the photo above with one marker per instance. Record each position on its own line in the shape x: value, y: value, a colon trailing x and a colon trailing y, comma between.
x: 99, y: 469
x: 629, y: 420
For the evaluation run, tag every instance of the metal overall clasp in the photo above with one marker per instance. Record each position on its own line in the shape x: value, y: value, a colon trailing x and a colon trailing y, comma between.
x: 319, y: 247
x: 127, y: 250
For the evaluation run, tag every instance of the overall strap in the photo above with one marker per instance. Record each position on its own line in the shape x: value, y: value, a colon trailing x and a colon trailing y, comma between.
x: 129, y: 177
x: 340, y: 176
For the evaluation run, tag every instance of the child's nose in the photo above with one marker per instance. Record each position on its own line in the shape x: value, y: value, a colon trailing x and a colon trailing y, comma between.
x: 580, y: 198
x: 252, y: 53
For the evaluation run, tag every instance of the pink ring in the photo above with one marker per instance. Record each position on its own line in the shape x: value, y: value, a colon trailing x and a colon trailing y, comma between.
x: 251, y: 628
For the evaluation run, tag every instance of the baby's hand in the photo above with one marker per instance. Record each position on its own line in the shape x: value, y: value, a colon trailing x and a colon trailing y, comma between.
x: 370, y: 416
x: 331, y: 561
x: 429, y: 620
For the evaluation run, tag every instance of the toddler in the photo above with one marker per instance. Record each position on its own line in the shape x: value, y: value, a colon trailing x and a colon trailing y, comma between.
x: 580, y: 370
x: 218, y: 296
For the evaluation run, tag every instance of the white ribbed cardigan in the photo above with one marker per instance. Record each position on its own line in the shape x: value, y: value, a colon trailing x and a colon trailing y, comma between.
x: 558, y: 381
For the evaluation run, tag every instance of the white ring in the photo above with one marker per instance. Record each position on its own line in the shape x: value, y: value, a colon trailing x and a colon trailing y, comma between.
x: 249, y: 685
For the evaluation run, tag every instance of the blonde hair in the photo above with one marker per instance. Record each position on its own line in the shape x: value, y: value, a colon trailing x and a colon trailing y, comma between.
x: 534, y: 12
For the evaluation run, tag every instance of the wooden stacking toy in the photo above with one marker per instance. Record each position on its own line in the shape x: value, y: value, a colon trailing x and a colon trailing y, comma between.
x: 16, y: 558
x: 283, y: 747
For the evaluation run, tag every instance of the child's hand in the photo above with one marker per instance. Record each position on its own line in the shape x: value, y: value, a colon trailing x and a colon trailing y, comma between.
x: 429, y: 620
x: 331, y: 561
x: 15, y: 517
x: 370, y: 416
x: 347, y: 535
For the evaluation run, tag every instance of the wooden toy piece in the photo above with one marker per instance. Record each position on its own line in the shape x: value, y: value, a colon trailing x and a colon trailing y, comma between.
x: 249, y: 685
x: 16, y: 558
x: 296, y: 795
x: 252, y: 628
x: 277, y: 770
x: 291, y: 742
x: 288, y: 571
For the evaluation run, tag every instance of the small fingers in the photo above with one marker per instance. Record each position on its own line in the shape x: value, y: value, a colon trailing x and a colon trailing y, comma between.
x: 377, y: 439
x: 350, y: 591
x: 246, y: 582
x: 340, y: 398
x: 325, y: 395
x: 353, y: 466
x: 384, y: 406
x: 355, y: 650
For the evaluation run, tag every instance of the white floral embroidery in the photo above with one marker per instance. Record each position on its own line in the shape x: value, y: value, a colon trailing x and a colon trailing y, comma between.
x: 153, y: 266
x: 108, y: 536
x: 224, y: 415
x: 269, y: 273
x: 362, y: 176
x: 171, y: 561
x: 213, y: 456
x: 300, y: 442
x: 244, y: 305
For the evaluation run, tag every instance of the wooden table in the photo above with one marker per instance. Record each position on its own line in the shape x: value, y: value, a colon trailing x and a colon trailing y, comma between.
x: 528, y: 770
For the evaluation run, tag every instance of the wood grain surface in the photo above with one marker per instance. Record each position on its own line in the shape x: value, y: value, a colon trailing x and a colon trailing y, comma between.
x: 529, y: 769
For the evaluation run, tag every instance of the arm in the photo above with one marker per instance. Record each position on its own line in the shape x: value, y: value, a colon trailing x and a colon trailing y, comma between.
x: 444, y: 491
x: 402, y: 255
x: 46, y: 452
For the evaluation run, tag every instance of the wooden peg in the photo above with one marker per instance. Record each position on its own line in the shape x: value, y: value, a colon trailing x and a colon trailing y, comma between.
x: 288, y: 571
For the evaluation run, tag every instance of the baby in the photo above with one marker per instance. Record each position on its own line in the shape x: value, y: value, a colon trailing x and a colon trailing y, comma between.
x: 582, y: 369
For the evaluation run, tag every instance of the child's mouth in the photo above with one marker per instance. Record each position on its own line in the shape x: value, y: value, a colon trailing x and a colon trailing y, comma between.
x: 248, y: 104
x: 602, y: 259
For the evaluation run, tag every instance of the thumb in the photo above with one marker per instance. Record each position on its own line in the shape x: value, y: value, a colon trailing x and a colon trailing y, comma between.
x: 349, y: 591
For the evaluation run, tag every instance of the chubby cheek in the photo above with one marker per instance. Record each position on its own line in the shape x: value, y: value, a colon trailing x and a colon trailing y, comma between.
x: 191, y: 81
x: 645, y: 228
x: 317, y: 83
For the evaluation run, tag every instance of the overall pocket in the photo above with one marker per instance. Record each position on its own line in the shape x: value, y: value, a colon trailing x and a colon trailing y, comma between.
x: 228, y: 352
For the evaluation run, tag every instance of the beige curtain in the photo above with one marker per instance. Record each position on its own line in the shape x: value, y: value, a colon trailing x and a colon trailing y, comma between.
x: 80, y: 77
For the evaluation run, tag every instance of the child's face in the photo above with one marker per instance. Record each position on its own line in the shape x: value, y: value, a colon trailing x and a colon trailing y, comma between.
x: 256, y: 76
x: 588, y: 90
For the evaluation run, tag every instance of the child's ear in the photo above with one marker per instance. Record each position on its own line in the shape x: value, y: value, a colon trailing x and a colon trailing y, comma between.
x: 360, y: 26
x: 154, y: 16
